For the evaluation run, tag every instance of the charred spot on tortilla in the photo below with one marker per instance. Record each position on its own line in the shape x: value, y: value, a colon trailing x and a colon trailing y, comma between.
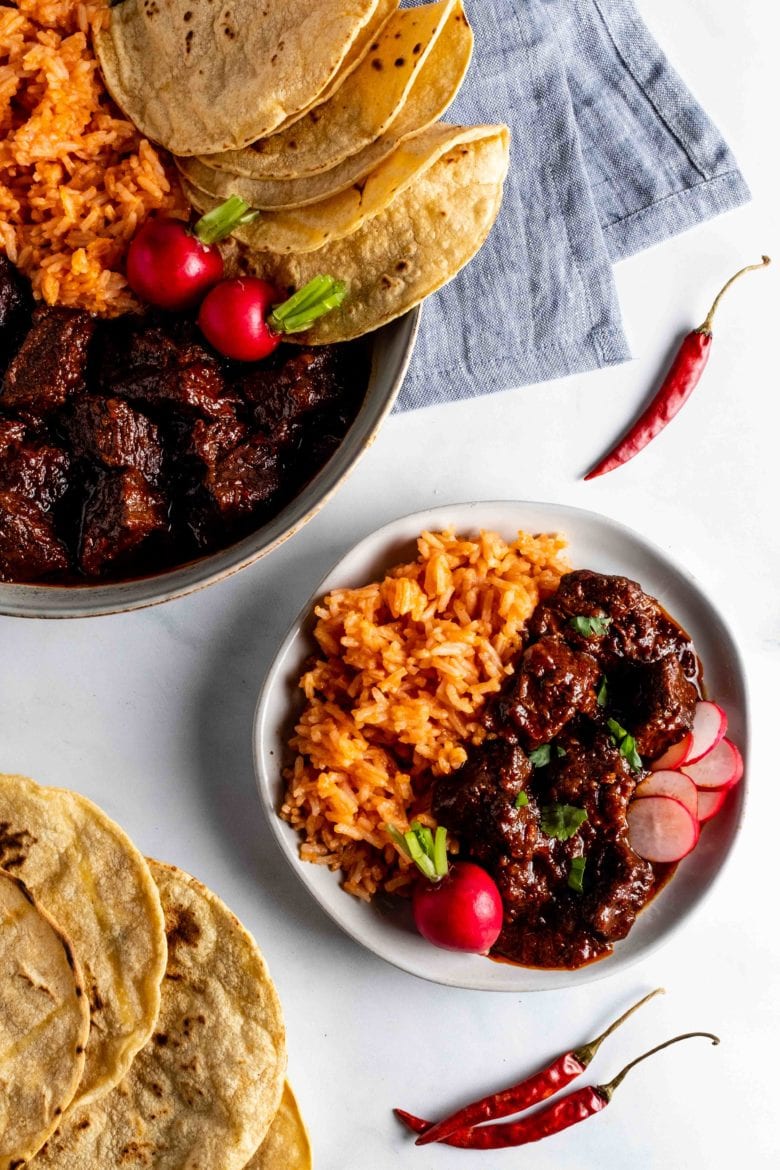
x: 181, y: 928
x: 14, y: 846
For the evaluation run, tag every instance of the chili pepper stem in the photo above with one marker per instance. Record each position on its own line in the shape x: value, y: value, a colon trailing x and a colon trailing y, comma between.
x: 706, y: 326
x: 608, y: 1090
x: 586, y: 1052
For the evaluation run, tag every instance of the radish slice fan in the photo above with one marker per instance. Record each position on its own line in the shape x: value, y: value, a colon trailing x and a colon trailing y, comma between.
x: 672, y: 784
x: 661, y: 829
x: 720, y: 768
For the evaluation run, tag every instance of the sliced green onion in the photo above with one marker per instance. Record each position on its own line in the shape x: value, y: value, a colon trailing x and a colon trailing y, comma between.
x: 440, y: 851
x: 220, y: 222
x: 321, y: 295
x: 420, y: 858
x: 398, y: 840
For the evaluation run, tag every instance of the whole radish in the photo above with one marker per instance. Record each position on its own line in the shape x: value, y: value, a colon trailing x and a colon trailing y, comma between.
x: 172, y: 266
x: 456, y: 907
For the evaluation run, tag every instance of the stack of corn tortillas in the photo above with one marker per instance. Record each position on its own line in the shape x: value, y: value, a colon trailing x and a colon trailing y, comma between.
x: 332, y: 138
x: 138, y: 1023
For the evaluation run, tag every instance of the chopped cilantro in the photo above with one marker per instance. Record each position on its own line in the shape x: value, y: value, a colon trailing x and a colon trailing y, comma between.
x: 521, y: 800
x: 541, y: 756
x: 588, y: 626
x: 601, y: 693
x: 626, y: 745
x: 576, y: 874
x: 561, y: 820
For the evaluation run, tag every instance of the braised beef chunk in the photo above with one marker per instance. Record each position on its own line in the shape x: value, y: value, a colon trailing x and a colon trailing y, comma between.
x: 308, y: 381
x: 210, y: 441
x: 590, y: 773
x: 160, y: 369
x: 37, y: 472
x: 657, y: 704
x: 12, y: 433
x: 245, y: 478
x: 638, y: 629
x: 477, y: 802
x: 15, y: 310
x: 111, y: 432
x: 552, y: 683
x: 120, y: 514
x: 619, y: 884
x: 51, y: 363
x: 29, y: 547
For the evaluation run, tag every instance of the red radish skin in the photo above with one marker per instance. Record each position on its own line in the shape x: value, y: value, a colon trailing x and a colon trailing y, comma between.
x: 661, y: 829
x: 720, y: 768
x: 709, y: 727
x: 674, y: 756
x: 673, y: 784
x: 711, y: 801
x: 233, y: 318
x: 169, y: 267
x: 461, y: 912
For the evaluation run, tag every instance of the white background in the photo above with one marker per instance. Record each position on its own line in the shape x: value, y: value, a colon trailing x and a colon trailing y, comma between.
x: 150, y: 713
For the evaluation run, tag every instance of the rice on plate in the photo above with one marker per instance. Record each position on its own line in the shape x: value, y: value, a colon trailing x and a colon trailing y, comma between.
x: 407, y: 664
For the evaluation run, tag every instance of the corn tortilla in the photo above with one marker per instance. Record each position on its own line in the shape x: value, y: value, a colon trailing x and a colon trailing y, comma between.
x: 436, y: 86
x: 201, y: 77
x: 84, y: 871
x: 286, y: 1145
x: 204, y: 1091
x: 360, y: 47
x: 413, y: 247
x: 44, y: 1023
x: 364, y: 107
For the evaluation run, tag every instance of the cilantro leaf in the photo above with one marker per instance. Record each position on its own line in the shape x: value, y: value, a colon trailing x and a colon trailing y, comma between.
x: 560, y: 753
x: 540, y: 757
x: 626, y: 745
x: 521, y: 800
x: 576, y: 874
x: 601, y: 693
x: 561, y: 820
x: 587, y: 626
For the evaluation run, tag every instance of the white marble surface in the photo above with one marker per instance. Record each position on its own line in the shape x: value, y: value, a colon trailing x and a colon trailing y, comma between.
x: 150, y: 713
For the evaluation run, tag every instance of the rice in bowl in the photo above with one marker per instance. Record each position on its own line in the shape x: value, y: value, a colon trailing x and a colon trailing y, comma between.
x: 406, y: 666
x: 76, y: 178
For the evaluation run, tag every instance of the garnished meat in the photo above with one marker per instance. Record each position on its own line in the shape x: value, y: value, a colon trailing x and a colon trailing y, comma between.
x: 51, y: 363
x: 552, y: 683
x: 600, y: 690
x: 658, y: 703
x: 307, y: 382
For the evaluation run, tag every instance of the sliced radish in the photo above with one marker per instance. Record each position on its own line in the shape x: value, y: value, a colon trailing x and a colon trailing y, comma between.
x: 711, y: 801
x: 674, y: 756
x: 709, y: 727
x: 672, y: 784
x: 661, y: 829
x: 720, y: 768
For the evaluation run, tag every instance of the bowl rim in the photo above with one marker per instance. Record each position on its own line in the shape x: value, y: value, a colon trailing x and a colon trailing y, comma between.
x: 281, y: 832
x: 52, y: 602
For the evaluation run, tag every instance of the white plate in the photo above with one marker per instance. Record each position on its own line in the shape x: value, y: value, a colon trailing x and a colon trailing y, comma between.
x: 595, y: 542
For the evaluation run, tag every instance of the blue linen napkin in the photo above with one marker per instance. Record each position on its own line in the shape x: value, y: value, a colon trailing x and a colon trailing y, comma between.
x: 610, y: 153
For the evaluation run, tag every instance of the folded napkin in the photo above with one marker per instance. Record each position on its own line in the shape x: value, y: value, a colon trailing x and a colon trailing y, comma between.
x: 610, y: 154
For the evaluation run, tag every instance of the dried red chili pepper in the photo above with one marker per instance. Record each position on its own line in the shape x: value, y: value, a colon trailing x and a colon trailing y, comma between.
x: 554, y: 1118
x: 531, y: 1090
x: 678, y: 385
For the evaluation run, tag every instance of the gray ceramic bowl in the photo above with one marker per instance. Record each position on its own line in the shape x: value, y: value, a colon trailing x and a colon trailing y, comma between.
x: 391, y: 353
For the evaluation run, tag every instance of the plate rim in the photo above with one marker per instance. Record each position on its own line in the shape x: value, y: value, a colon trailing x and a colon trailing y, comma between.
x: 582, y: 976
